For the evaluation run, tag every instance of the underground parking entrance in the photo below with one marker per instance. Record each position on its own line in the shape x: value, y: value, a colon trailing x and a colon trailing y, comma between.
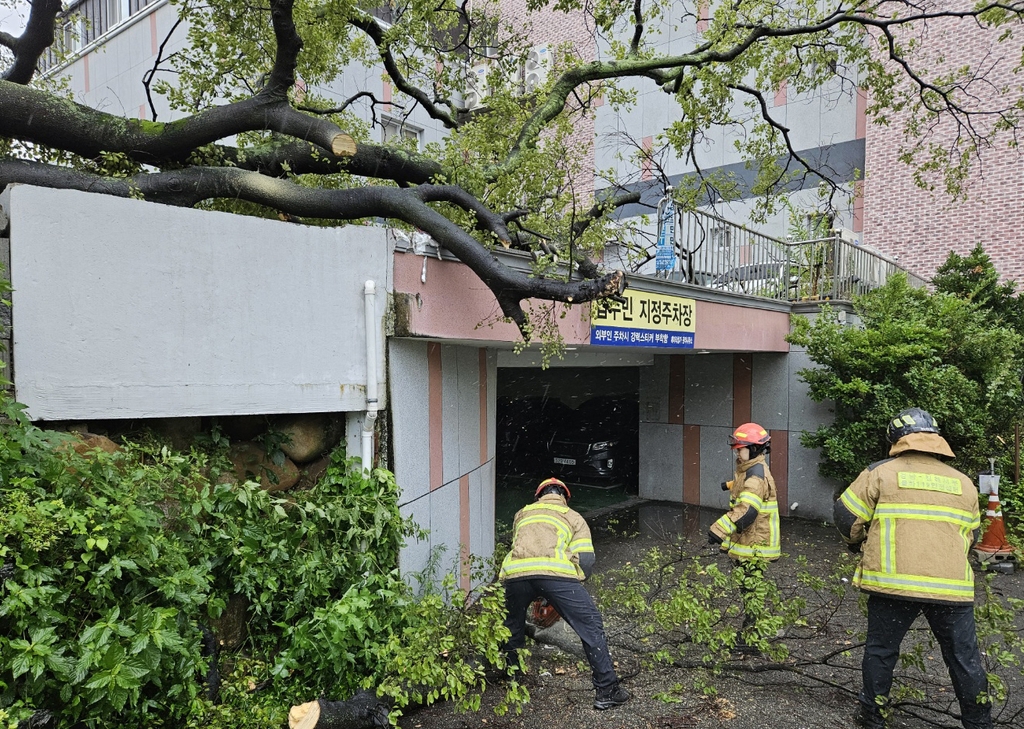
x: 579, y: 424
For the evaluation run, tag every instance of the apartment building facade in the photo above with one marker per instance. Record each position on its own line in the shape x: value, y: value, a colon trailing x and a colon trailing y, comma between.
x: 445, y: 356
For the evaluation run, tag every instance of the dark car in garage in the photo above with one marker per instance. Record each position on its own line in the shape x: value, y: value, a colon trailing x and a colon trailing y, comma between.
x: 598, y: 443
x: 525, y: 427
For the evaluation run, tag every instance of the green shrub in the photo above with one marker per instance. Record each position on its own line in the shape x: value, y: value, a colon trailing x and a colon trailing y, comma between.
x: 113, y: 565
x: 938, y: 351
x: 99, y: 604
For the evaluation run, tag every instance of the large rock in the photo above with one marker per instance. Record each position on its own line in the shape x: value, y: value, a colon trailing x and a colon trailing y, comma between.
x: 251, y: 463
x: 308, y: 436
x: 90, y: 441
x: 312, y: 472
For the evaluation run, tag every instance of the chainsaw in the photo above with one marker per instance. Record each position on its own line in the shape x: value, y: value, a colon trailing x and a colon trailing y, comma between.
x: 543, y: 614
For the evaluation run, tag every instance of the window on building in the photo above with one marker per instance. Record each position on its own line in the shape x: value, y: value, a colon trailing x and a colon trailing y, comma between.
x: 721, y: 238
x: 398, y: 129
x: 135, y: 6
x: 97, y: 17
x: 384, y: 13
x: 86, y: 21
x: 819, y: 225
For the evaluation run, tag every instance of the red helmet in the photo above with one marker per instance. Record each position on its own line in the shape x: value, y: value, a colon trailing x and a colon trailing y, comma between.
x: 748, y: 434
x: 552, y: 482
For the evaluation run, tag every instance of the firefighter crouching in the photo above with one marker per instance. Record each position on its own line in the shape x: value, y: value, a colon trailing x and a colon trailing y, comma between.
x: 915, y: 519
x: 749, y: 531
x: 551, y: 555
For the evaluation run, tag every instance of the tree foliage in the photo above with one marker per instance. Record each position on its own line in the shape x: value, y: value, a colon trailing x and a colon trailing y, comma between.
x: 260, y: 128
x: 955, y: 352
x: 974, y: 278
x: 115, y: 568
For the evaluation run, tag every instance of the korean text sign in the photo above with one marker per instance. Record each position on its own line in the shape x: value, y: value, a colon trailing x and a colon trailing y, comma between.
x: 644, y: 319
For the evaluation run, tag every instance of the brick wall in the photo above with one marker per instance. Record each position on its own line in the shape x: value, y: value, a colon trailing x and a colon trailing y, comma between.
x: 554, y: 28
x: 921, y: 227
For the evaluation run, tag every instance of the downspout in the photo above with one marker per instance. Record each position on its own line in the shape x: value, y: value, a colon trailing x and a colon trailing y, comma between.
x: 370, y: 313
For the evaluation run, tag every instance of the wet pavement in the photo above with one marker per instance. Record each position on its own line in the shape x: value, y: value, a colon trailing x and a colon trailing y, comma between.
x: 806, y: 692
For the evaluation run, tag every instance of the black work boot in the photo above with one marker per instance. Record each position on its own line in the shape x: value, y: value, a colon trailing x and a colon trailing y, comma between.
x: 610, y: 696
x: 868, y: 720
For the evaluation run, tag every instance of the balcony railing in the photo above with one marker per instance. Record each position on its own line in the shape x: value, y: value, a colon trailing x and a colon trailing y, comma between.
x: 721, y: 255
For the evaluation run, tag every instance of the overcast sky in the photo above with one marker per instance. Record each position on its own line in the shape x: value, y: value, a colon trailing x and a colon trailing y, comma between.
x: 12, y: 20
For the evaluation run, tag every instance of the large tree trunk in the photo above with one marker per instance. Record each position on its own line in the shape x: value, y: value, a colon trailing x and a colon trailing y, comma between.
x: 362, y: 711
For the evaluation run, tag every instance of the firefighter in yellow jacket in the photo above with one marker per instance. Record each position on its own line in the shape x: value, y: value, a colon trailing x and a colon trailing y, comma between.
x: 551, y: 555
x: 915, y: 519
x: 749, y: 531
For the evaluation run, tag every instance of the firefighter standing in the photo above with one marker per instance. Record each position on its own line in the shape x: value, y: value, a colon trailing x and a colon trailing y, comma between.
x: 551, y: 555
x: 749, y: 531
x: 916, y: 518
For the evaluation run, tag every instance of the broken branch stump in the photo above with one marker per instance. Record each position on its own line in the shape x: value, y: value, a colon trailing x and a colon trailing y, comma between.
x: 362, y: 711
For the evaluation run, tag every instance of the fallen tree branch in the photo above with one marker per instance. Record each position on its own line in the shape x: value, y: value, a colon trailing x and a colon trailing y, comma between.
x: 362, y: 711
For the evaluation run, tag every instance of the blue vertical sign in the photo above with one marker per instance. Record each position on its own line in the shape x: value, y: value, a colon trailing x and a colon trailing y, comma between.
x: 666, y: 256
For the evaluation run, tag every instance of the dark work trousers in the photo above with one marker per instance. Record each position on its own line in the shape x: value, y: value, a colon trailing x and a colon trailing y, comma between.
x: 953, y: 627
x: 574, y: 604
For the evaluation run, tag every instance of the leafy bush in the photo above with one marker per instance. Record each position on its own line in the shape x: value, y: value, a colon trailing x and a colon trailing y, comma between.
x: 936, y: 351
x: 97, y: 617
x: 114, y: 566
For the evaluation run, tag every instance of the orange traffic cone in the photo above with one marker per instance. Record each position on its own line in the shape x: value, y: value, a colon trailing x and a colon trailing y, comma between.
x: 993, y: 547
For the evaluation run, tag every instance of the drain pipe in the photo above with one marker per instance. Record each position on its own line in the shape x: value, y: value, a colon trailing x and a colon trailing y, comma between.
x: 370, y: 311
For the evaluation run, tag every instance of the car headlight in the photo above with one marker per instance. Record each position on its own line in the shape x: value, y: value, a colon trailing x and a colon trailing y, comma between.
x: 603, y: 445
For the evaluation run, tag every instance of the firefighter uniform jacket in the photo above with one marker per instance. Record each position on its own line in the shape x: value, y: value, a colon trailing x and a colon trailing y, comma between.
x: 548, y: 540
x: 751, y: 526
x: 915, y: 518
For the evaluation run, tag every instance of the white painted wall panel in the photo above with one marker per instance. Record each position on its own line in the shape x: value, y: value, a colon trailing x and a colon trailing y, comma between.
x: 410, y: 390
x: 127, y: 309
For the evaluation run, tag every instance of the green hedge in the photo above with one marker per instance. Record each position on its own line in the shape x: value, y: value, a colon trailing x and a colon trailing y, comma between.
x: 114, y: 564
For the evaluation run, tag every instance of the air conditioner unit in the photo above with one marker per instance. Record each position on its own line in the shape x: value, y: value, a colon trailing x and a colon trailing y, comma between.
x: 848, y: 235
x: 476, y: 86
x: 535, y: 71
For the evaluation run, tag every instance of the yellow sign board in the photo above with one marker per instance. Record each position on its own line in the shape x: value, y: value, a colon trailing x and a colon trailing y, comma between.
x: 644, y: 319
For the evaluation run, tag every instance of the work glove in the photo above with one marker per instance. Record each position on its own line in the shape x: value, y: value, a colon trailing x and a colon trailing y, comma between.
x: 727, y: 485
x: 714, y: 538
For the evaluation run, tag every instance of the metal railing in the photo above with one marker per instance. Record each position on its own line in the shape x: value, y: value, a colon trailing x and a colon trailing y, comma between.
x: 717, y: 254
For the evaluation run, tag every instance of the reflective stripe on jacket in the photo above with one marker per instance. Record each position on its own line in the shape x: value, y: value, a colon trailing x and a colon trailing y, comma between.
x: 916, y: 517
x: 746, y: 534
x: 547, y: 540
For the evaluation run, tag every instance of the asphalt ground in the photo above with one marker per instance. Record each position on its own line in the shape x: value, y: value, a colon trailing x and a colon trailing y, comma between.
x: 751, y: 692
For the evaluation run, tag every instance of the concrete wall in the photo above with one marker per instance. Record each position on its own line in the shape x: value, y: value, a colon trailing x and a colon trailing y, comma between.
x: 128, y: 309
x: 443, y: 435
x: 689, y: 404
